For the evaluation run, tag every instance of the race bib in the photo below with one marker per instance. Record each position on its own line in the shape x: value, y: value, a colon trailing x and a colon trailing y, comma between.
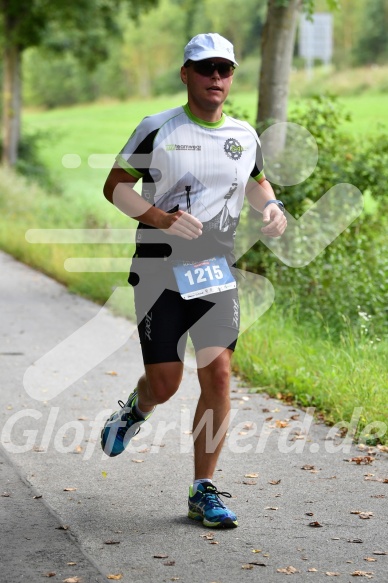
x: 202, y: 278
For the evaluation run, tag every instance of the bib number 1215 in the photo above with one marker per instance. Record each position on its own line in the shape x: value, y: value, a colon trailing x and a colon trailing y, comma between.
x: 203, y: 278
x: 204, y: 274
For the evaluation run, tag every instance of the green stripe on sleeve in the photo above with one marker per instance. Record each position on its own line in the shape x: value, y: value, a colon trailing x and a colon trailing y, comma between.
x: 128, y: 168
x: 259, y: 176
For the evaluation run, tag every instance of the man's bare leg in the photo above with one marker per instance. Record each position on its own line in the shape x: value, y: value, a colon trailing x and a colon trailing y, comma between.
x: 158, y: 384
x: 214, y: 401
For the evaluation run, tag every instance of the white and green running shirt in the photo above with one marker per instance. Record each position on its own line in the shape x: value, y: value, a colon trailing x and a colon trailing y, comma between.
x: 199, y: 167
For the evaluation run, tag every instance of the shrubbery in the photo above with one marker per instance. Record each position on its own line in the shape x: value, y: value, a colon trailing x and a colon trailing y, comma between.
x: 346, y: 286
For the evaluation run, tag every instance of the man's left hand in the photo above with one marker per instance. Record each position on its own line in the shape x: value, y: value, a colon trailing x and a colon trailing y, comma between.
x: 275, y: 220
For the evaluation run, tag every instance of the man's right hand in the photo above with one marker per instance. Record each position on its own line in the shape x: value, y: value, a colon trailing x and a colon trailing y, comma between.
x: 181, y: 224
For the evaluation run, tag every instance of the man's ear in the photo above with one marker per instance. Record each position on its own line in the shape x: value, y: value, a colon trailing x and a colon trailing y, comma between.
x: 184, y: 75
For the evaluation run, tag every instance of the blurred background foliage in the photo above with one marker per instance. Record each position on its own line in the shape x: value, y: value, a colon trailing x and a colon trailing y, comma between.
x: 141, y: 58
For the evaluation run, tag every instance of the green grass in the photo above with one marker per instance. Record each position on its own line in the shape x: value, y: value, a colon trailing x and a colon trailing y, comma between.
x: 277, y: 356
x: 274, y: 354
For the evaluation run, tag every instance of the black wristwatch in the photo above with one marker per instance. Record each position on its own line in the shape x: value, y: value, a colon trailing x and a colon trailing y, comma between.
x: 275, y: 201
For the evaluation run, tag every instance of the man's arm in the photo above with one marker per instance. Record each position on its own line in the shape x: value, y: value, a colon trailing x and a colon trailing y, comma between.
x: 118, y: 190
x: 258, y: 193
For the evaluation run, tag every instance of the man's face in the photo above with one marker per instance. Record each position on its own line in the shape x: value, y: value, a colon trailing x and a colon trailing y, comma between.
x: 207, y: 86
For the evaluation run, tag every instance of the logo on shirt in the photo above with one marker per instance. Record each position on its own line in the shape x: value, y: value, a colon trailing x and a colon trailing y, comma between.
x: 233, y: 149
x: 190, y: 147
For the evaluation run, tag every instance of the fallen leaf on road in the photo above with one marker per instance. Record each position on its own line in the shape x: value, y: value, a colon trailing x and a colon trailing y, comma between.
x: 247, y: 566
x: 169, y: 563
x: 104, y: 474
x: 271, y: 508
x: 115, y: 577
x: 288, y: 570
x: 362, y: 514
x: 69, y: 489
x: 281, y: 424
x: 214, y: 542
x: 355, y: 540
x: 112, y: 373
x: 312, y: 570
x: 251, y: 476
x: 332, y: 574
x: 362, y: 459
x: 380, y: 552
x: 111, y: 542
x: 72, y: 580
x: 257, y: 564
x: 370, y: 559
x: 50, y: 574
x: 250, y: 482
x: 160, y: 556
x: 62, y: 527
x: 367, y: 574
x: 78, y: 449
x: 248, y: 425
x: 37, y: 497
x: 315, y: 524
x: 83, y: 418
x: 383, y: 448
x: 137, y: 461
x: 256, y: 550
x: 71, y: 564
x: 208, y: 535
x: 274, y: 482
x: 307, y: 467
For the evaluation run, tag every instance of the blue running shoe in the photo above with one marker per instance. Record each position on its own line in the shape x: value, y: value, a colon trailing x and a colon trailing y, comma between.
x: 205, y: 505
x: 121, y: 427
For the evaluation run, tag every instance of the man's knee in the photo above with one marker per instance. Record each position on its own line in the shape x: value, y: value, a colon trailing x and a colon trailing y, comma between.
x: 215, y: 384
x: 163, y: 382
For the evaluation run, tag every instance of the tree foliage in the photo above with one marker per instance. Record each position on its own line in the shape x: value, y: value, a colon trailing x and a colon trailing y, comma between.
x: 83, y: 25
x: 372, y: 45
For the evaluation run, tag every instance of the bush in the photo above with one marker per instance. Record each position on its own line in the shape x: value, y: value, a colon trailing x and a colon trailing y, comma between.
x: 168, y: 83
x: 347, y: 284
x: 29, y: 161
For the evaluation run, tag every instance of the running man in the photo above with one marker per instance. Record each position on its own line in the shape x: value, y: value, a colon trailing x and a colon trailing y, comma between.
x: 196, y: 164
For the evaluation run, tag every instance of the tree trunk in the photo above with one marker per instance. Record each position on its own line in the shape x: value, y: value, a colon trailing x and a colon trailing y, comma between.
x: 11, y: 103
x: 277, y: 49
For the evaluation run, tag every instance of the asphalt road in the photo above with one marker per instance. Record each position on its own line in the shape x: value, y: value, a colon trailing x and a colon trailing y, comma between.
x: 68, y: 510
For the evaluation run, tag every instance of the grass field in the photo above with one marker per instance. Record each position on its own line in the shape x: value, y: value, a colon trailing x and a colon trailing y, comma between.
x: 105, y: 127
x: 274, y: 354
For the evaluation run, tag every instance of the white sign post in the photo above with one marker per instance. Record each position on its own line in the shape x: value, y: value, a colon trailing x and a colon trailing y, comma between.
x: 316, y: 39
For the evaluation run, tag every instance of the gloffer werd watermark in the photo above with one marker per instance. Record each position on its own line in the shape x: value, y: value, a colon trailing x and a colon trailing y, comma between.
x: 30, y: 430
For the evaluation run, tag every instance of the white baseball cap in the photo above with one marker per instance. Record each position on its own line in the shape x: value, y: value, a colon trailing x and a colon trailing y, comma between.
x: 206, y: 46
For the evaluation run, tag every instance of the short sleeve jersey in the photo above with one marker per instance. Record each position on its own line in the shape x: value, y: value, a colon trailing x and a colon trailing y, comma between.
x: 199, y: 167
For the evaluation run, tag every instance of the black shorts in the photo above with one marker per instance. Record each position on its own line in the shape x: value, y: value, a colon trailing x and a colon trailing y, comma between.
x: 165, y: 319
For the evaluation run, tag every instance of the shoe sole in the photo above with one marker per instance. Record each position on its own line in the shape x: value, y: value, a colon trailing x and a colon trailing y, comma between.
x: 227, y: 523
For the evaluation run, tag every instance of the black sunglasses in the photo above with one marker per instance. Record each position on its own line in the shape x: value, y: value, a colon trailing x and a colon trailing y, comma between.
x: 207, y: 67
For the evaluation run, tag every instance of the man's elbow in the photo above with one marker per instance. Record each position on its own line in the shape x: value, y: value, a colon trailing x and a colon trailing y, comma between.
x: 108, y: 191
